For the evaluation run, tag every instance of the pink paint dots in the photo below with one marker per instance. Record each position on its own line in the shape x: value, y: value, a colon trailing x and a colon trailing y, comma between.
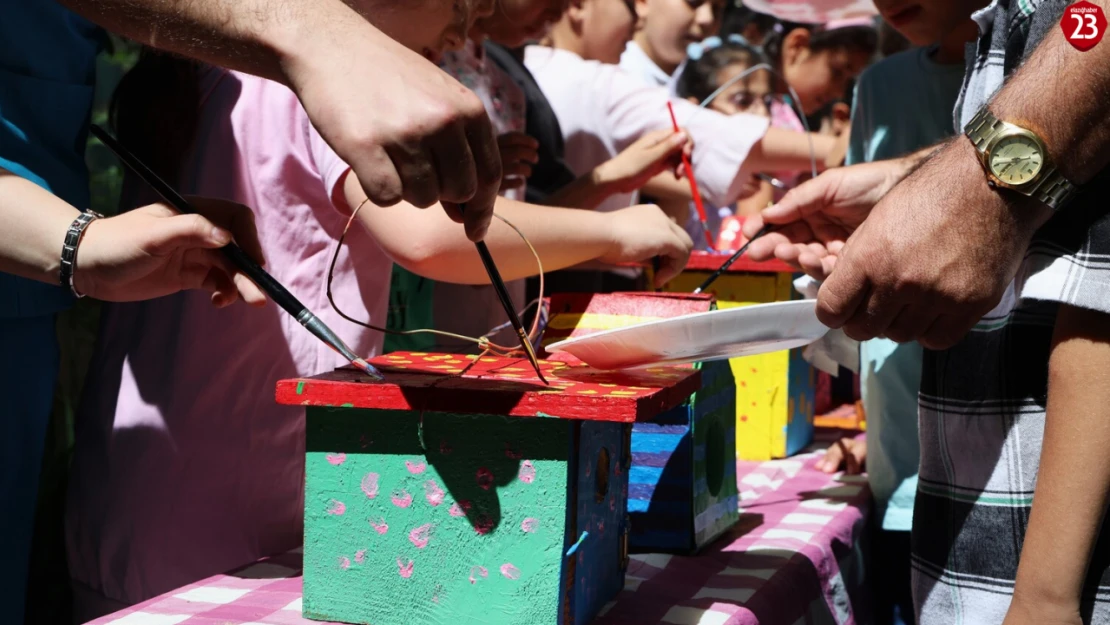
x: 344, y: 562
x: 360, y: 556
x: 433, y: 493
x: 510, y: 571
x: 527, y: 472
x: 601, y: 527
x: 336, y: 459
x: 337, y: 507
x: 419, y: 536
x: 512, y: 453
x: 364, y: 442
x: 612, y: 504
x: 459, y: 508
x: 483, y: 525
x: 444, y: 448
x: 529, y: 524
x: 370, y: 485
x: 381, y: 527
x: 416, y: 468
x: 405, y: 570
x: 485, y: 478
x: 476, y: 572
x: 401, y: 499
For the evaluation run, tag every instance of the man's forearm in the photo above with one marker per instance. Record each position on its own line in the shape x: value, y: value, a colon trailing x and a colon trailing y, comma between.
x: 1063, y: 95
x: 253, y: 36
x: 1073, y: 484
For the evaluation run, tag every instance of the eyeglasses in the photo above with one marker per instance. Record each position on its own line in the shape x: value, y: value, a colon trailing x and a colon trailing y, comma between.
x: 748, y: 102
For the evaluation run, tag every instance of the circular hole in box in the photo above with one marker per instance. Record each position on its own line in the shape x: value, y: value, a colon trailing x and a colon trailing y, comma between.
x: 601, y: 475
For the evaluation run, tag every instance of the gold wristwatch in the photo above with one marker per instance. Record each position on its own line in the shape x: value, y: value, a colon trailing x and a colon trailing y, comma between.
x: 1016, y: 158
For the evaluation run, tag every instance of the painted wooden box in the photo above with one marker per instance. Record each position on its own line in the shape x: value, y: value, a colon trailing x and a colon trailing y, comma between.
x: 682, y: 485
x: 462, y: 490
x: 775, y: 393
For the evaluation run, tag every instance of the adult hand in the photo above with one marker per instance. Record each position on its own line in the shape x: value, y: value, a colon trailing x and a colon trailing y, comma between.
x: 933, y: 257
x: 817, y: 217
x: 643, y: 232
x: 848, y: 454
x: 649, y: 155
x: 409, y: 131
x: 154, y: 251
x: 1036, y: 610
x: 518, y: 153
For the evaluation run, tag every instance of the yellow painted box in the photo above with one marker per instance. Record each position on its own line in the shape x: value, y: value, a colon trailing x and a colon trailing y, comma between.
x: 774, y: 392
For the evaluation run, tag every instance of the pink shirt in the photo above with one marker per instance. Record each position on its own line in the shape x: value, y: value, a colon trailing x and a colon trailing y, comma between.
x: 184, y: 465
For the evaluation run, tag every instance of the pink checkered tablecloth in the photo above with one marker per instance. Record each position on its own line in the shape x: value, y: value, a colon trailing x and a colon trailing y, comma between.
x: 794, y: 558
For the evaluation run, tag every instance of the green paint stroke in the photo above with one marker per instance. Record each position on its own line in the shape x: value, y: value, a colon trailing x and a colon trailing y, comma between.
x: 300, y: 386
x: 390, y: 528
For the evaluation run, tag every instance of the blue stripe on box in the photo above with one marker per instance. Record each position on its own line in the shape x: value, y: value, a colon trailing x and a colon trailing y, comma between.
x: 644, y: 459
x: 679, y: 509
x: 655, y: 443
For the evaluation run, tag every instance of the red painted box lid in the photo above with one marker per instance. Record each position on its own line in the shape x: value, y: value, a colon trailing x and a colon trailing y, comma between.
x: 499, y: 386
x: 712, y: 261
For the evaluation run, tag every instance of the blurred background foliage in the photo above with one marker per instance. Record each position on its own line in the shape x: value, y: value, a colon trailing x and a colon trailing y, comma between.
x: 48, y: 594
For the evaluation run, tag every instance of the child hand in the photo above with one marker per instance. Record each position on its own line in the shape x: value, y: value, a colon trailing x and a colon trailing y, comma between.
x: 644, y: 232
x: 154, y: 251
x: 849, y: 453
x: 653, y: 153
x: 518, y: 153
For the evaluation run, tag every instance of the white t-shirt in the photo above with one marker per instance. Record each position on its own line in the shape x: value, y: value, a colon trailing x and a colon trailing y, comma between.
x: 602, y: 110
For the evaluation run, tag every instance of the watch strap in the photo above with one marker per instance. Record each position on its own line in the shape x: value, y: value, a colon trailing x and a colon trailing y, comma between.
x: 74, y: 235
x: 1051, y: 187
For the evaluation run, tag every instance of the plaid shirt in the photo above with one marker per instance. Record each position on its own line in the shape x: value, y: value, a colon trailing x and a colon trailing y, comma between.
x: 982, y: 403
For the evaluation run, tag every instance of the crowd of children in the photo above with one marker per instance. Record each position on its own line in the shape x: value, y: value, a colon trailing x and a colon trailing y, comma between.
x: 182, y: 469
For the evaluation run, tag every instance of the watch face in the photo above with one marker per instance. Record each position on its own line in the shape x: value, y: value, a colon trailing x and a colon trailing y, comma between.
x: 1016, y: 159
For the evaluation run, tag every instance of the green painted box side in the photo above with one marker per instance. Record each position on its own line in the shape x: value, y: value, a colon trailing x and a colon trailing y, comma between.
x: 714, y: 432
x: 435, y: 518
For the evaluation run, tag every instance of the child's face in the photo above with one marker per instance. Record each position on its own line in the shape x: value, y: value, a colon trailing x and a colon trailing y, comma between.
x: 820, y: 77
x: 607, y: 26
x: 671, y: 25
x: 429, y: 27
x: 747, y: 95
x: 514, y: 22
x: 927, y: 22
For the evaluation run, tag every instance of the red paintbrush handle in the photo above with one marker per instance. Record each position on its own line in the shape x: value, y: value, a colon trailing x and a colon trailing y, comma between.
x: 693, y: 184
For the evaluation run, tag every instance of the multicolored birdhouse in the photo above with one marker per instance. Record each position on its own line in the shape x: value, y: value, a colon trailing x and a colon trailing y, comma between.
x: 682, y: 485
x: 464, y: 490
x: 775, y: 392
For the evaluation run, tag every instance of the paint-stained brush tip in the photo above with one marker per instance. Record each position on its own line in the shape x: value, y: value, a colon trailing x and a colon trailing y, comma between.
x: 368, y: 369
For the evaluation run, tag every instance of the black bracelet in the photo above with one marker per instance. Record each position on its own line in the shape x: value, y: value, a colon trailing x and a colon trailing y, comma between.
x: 73, y: 238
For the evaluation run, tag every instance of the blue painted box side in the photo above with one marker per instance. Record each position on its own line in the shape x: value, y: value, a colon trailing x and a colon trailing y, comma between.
x: 660, y: 484
x: 803, y: 394
x: 602, y: 498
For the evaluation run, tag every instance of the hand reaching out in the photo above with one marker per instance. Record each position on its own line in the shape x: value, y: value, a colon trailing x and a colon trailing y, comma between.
x: 154, y: 251
x: 847, y: 454
x: 518, y: 153
x: 651, y: 154
x: 818, y: 216
x: 643, y: 232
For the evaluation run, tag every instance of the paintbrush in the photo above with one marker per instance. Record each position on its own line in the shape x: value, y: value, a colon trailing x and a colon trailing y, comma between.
x: 239, y: 258
x: 693, y: 185
x: 507, y: 303
x: 732, y: 259
x: 774, y: 182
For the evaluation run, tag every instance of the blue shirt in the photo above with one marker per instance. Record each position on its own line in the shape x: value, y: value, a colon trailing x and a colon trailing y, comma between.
x: 903, y: 103
x: 47, y: 74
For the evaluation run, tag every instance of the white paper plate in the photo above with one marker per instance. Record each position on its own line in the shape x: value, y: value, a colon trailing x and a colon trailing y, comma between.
x: 715, y: 335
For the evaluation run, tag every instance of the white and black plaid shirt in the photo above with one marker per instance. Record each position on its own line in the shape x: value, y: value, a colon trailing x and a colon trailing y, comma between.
x: 982, y: 403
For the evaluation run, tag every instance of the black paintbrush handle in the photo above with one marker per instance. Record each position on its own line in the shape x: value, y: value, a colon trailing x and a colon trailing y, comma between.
x: 732, y: 259
x: 499, y: 286
x: 234, y: 253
